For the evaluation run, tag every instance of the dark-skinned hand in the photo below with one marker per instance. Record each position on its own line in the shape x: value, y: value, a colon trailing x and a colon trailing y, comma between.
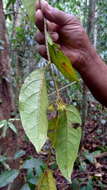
x: 66, y: 30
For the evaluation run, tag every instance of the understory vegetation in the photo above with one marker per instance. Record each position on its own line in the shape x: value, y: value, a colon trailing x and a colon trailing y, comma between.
x: 38, y: 102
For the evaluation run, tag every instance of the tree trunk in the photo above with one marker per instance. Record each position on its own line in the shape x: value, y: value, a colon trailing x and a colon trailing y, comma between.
x: 6, y: 96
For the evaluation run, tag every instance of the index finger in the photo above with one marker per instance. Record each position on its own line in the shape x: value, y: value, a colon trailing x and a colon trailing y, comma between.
x: 53, y: 14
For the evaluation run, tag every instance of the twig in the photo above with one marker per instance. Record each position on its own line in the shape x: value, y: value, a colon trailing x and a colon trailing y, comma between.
x: 46, y: 42
x: 66, y: 86
x: 104, y: 154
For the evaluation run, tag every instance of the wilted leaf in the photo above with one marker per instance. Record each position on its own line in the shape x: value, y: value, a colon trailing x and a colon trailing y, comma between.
x: 8, y: 177
x: 30, y: 8
x: 62, y: 62
x: 47, y: 181
x: 66, y: 139
x: 33, y: 104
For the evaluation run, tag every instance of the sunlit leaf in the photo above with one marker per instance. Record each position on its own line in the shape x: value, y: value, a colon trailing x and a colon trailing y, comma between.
x: 47, y: 181
x: 33, y: 103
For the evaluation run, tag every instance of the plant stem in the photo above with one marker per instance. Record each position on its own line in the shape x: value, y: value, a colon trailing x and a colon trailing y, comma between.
x: 49, y: 58
x: 46, y: 42
x: 66, y: 86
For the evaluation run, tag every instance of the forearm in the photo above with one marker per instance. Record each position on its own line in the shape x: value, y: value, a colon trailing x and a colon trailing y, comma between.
x: 94, y: 74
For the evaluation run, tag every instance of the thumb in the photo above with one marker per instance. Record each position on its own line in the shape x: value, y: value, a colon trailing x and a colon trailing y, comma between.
x: 53, y: 14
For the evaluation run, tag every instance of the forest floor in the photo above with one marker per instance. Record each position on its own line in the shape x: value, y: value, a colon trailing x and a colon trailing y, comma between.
x: 90, y: 170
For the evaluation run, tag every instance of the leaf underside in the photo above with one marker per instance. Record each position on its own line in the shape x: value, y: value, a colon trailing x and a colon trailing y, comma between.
x: 33, y: 103
x: 66, y: 139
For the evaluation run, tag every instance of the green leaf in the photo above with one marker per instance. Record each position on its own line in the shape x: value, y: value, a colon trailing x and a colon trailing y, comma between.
x: 47, y: 182
x: 12, y: 127
x: 30, y: 8
x: 3, y: 158
x: 33, y: 163
x: 25, y: 187
x: 3, y: 123
x: 8, y: 177
x: 66, y: 140
x: 89, y: 186
x: 67, y: 145
x: 31, y: 177
x: 33, y: 104
x: 73, y: 115
x: 36, y: 165
x: 52, y: 130
x: 62, y: 62
x: 4, y: 131
x: 19, y: 154
x: 75, y: 184
x: 9, y: 3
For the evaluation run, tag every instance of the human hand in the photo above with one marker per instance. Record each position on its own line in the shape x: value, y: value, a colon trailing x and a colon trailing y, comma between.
x: 65, y: 30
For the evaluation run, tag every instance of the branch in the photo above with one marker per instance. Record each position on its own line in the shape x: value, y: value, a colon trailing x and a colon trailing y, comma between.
x: 66, y: 86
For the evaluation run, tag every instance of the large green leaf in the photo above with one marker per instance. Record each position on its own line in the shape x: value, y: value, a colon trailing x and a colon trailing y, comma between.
x: 47, y: 182
x: 30, y: 8
x: 8, y: 177
x: 67, y: 145
x: 33, y: 103
x: 66, y: 139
